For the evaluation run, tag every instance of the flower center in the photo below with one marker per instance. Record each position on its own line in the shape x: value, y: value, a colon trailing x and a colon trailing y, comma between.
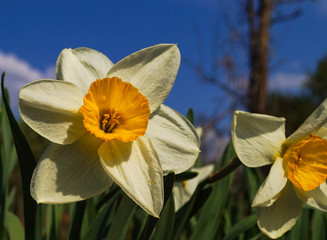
x: 306, y: 162
x: 110, y: 120
x: 114, y: 109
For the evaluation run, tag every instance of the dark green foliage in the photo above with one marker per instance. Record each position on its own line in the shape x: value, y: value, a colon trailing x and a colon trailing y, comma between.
x: 27, y: 164
x: 294, y: 108
x: 317, y: 82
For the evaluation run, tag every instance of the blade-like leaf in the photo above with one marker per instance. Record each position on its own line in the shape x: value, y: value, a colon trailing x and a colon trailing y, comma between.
x: 165, y: 225
x: 301, y: 228
x: 211, y: 214
x: 14, y: 227
x: 152, y: 221
x: 185, y: 176
x: 318, y: 225
x: 190, y: 208
x: 241, y: 226
x: 26, y: 163
x: 190, y: 115
x: 98, y: 228
x: 122, y: 219
x: 77, y: 221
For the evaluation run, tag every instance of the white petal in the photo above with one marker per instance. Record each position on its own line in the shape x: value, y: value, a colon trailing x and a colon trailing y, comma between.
x: 174, y: 139
x: 282, y: 215
x: 82, y: 66
x: 257, y: 138
x: 272, y: 186
x: 180, y: 196
x: 68, y: 173
x: 152, y: 70
x: 51, y: 108
x: 316, y: 198
x: 135, y: 167
x: 199, y: 131
x: 203, y: 172
x: 183, y: 191
x: 316, y: 124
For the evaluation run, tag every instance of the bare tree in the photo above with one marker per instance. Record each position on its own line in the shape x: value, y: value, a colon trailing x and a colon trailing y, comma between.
x: 241, y: 55
x: 259, y: 25
x: 248, y: 24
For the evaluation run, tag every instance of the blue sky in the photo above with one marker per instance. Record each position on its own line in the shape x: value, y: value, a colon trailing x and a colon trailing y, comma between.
x: 34, y: 33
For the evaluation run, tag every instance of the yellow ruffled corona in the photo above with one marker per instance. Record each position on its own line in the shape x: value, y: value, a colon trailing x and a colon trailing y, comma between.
x: 306, y: 162
x: 114, y: 109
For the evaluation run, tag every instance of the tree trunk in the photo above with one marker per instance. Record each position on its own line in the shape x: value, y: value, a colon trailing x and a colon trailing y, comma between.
x: 259, y: 23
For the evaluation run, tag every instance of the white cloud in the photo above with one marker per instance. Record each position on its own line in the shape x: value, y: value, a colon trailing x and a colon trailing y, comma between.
x: 18, y: 73
x: 287, y: 82
x: 321, y: 7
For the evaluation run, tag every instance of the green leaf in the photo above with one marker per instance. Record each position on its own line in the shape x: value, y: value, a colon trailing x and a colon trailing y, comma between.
x: 152, y: 221
x: 165, y: 225
x: 190, y: 208
x: 300, y: 229
x: 185, y: 176
x: 104, y: 198
x: 89, y: 216
x: 211, y: 217
x: 253, y: 181
x: 201, y: 198
x: 318, y: 225
x: 14, y: 227
x: 122, y: 219
x: 26, y: 163
x: 190, y: 115
x: 241, y: 226
x: 77, y: 220
x: 38, y: 222
x: 97, y: 230
x: 10, y: 198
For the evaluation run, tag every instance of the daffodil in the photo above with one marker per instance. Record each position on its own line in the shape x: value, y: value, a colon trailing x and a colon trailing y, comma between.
x: 299, y: 165
x: 184, y: 190
x: 107, y: 124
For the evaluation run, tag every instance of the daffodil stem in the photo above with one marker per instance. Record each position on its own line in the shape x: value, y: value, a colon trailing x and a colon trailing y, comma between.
x: 230, y: 167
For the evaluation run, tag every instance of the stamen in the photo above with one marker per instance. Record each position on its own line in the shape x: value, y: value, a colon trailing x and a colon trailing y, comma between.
x: 110, y: 120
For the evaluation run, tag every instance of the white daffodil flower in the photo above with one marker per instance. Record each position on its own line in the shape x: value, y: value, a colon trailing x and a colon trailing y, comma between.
x: 184, y: 190
x: 299, y: 165
x: 107, y: 123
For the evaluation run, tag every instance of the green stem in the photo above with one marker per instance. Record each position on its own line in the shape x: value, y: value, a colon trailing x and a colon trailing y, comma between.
x: 230, y: 167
